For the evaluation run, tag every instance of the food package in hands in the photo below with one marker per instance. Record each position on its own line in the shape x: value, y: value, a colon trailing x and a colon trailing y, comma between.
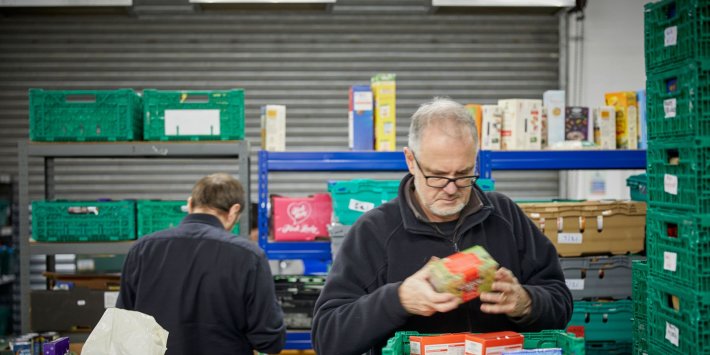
x: 465, y: 274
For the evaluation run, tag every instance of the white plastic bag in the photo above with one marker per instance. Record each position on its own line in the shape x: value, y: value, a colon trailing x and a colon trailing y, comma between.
x: 122, y: 332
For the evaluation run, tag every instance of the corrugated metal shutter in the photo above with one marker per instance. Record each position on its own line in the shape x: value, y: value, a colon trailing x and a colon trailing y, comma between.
x: 305, y: 60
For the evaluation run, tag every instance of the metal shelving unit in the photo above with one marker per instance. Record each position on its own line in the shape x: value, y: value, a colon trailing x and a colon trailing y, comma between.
x: 139, y: 150
x: 394, y: 161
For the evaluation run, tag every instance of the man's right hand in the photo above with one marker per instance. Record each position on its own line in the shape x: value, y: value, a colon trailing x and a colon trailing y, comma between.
x: 419, y: 297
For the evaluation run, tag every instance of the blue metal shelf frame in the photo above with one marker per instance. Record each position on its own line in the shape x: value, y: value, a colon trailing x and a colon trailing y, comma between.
x: 312, y: 161
x: 560, y: 160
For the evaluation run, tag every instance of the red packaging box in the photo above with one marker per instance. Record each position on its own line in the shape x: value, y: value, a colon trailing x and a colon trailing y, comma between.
x: 493, y: 343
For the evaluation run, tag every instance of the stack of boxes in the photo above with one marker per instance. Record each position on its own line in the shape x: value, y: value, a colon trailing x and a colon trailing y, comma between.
x: 678, y: 226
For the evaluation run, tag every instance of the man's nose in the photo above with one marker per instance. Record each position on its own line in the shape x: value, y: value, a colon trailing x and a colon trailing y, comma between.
x: 451, y: 188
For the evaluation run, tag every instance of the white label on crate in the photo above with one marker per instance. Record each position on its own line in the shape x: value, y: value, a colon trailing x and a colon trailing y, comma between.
x: 110, y: 299
x: 569, y: 238
x: 362, y: 101
x: 473, y: 347
x: 670, y: 36
x: 670, y: 261
x: 360, y: 206
x: 81, y: 303
x: 670, y: 184
x: 672, y: 333
x: 669, y: 107
x: 85, y: 265
x: 575, y: 284
x: 415, y: 348
x: 192, y: 123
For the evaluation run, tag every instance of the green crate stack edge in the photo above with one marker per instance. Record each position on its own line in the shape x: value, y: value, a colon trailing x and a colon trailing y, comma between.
x: 124, y: 115
x: 677, y: 46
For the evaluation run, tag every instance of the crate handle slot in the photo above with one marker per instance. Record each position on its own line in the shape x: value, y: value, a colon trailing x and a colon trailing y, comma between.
x: 583, y: 273
x: 601, y: 273
x: 672, y: 230
x: 83, y: 210
x: 673, y: 302
x: 79, y: 99
x: 673, y: 156
x: 671, y: 85
x: 194, y: 98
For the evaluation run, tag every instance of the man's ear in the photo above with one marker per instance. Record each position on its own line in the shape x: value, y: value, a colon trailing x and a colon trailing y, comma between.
x: 409, y: 159
x: 189, y: 204
x: 234, y: 213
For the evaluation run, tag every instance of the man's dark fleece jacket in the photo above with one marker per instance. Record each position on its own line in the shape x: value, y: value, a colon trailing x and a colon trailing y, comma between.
x: 359, y: 307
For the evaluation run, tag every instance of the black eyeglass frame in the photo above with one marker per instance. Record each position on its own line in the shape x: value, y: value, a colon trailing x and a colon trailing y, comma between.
x: 471, y: 179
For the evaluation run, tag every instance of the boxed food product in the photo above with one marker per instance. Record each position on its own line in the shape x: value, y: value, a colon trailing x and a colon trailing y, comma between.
x: 273, y: 128
x: 303, y: 218
x: 521, y: 124
x: 626, y: 118
x: 605, y: 127
x: 492, y: 118
x: 477, y: 114
x: 493, y: 343
x: 360, y: 119
x: 554, y: 103
x: 465, y: 274
x: 577, y: 123
x: 642, y: 126
x: 384, y: 94
x: 591, y: 227
x: 533, y: 125
x: 437, y: 344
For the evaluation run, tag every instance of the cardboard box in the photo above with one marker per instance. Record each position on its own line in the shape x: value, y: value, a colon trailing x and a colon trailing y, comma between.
x: 605, y: 127
x: 465, y: 274
x: 555, y: 104
x: 361, y: 134
x: 445, y: 344
x: 577, y: 124
x: 520, y: 117
x: 477, y: 114
x: 491, y: 121
x: 626, y: 118
x: 273, y: 128
x: 72, y: 310
x: 493, y: 343
x: 303, y: 218
x: 591, y: 227
x: 384, y: 92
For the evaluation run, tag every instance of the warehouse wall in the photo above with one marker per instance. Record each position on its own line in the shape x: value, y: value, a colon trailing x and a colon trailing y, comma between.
x: 303, y: 59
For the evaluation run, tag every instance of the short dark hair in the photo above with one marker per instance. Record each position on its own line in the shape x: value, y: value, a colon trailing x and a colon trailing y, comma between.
x: 218, y: 191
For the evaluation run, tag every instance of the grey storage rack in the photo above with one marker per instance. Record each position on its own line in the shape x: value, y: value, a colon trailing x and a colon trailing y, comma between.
x: 140, y: 150
x: 596, y: 277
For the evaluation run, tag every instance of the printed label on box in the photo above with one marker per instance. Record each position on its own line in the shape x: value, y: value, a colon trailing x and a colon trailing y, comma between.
x: 575, y: 284
x: 362, y: 101
x: 670, y: 184
x: 110, y: 299
x: 360, y: 206
x: 669, y: 261
x: 669, y: 107
x: 442, y: 349
x: 670, y: 36
x: 672, y: 333
x: 569, y: 238
x: 415, y: 347
x: 192, y: 123
x: 473, y: 347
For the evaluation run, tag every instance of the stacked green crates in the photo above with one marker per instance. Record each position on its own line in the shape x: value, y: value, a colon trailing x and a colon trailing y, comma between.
x: 352, y: 198
x: 604, y: 321
x: 193, y: 115
x: 85, y: 115
x: 570, y: 345
x: 156, y: 215
x: 83, y: 221
x: 639, y: 270
x: 677, y: 45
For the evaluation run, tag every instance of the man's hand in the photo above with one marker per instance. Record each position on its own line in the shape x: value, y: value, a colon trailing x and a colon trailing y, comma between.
x: 418, y: 296
x: 506, y: 296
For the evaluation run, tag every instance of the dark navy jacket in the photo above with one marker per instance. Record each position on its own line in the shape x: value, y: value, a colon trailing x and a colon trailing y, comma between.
x: 359, y: 307
x: 210, y: 289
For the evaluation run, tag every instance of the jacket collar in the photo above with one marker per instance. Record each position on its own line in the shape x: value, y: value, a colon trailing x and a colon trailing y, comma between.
x: 478, y: 209
x: 203, y: 218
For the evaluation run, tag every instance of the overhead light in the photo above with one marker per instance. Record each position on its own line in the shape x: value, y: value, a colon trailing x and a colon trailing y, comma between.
x: 505, y: 3
x: 262, y: 1
x: 64, y: 3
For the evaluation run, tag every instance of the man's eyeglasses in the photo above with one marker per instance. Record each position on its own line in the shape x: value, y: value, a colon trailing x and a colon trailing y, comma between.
x: 442, y: 181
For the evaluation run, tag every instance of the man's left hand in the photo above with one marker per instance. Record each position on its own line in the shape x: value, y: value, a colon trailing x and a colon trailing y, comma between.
x: 507, y: 296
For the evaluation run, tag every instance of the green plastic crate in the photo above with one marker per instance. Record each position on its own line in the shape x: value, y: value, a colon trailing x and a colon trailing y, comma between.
x: 168, y: 117
x: 679, y: 174
x: 682, y: 331
x: 352, y: 198
x: 85, y: 115
x: 676, y: 30
x: 678, y: 101
x: 156, y: 215
x: 685, y: 238
x: 639, y: 276
x: 637, y: 187
x: 570, y: 345
x: 608, y: 348
x: 604, y: 321
x: 83, y: 221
